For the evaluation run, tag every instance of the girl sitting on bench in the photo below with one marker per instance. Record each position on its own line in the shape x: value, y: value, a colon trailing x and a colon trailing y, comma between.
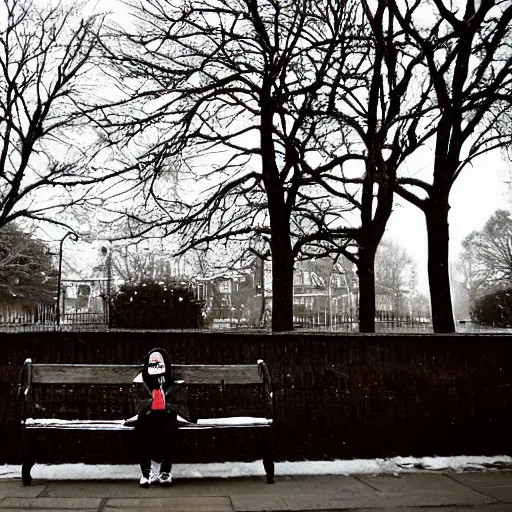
x: 156, y: 426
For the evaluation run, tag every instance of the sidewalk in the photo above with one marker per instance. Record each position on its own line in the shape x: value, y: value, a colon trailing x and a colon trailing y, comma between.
x: 488, y: 491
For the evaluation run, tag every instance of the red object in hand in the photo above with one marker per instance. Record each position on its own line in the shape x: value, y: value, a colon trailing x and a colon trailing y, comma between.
x: 158, y: 400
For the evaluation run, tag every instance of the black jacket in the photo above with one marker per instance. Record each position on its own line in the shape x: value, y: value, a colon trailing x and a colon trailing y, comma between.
x: 175, y: 394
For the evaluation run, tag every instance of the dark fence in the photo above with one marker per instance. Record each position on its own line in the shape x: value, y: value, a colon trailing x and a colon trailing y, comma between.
x: 323, y: 319
x: 336, y: 396
x: 44, y: 318
x: 12, y: 314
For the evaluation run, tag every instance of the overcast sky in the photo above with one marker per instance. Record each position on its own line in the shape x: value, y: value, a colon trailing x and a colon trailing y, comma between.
x: 480, y: 190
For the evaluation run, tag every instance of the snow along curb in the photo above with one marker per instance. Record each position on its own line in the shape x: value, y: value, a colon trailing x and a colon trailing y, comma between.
x: 392, y: 466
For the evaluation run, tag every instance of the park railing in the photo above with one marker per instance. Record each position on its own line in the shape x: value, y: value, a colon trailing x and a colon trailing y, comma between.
x: 84, y: 318
x: 385, y: 321
x: 44, y: 318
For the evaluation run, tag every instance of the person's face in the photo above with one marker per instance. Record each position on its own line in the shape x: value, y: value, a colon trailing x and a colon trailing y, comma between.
x: 156, y: 365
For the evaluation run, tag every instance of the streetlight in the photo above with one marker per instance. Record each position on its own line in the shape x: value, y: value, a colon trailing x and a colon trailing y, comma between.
x: 74, y: 237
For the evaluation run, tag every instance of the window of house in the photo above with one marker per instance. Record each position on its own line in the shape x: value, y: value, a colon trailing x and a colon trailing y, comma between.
x: 225, y: 287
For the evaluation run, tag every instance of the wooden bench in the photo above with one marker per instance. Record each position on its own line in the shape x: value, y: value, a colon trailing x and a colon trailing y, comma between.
x: 100, y: 398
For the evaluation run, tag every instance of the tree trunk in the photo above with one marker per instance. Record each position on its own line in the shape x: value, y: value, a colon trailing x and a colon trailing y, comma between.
x: 282, y: 284
x: 371, y: 232
x: 279, y: 216
x: 365, y: 272
x: 436, y: 214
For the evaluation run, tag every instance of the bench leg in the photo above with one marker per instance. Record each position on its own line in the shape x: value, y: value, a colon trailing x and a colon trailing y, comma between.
x: 28, y: 460
x: 268, y: 464
x: 267, y: 450
x: 25, y: 471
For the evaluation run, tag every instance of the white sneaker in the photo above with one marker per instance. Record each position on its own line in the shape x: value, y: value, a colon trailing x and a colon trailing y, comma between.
x: 165, y: 479
x: 145, y: 481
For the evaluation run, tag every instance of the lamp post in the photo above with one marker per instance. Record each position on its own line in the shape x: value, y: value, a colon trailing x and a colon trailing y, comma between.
x: 330, y: 301
x: 106, y: 253
x: 74, y: 237
x: 109, y: 286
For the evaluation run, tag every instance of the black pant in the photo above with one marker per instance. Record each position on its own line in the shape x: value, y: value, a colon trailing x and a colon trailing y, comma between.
x: 156, y: 439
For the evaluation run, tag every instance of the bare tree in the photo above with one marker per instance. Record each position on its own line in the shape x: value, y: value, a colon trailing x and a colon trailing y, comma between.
x: 47, y: 78
x: 469, y: 274
x: 493, y: 246
x: 395, y: 271
x: 466, y: 52
x: 373, y: 109
x: 224, y: 88
x: 27, y: 274
x: 420, y: 306
x: 133, y: 264
x: 486, y: 259
x: 285, y: 83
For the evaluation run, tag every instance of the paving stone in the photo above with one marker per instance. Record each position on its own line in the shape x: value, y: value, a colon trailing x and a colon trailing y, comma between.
x: 499, y: 507
x: 208, y: 487
x: 176, y: 504
x: 483, y: 478
x: 104, y: 489
x: 46, y: 510
x: 331, y: 502
x: 51, y: 503
x: 15, y: 488
x: 426, y: 490
x: 327, y: 492
x: 179, y: 487
x: 498, y: 485
x: 257, y: 502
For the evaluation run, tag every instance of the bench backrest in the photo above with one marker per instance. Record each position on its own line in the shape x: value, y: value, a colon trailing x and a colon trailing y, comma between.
x: 124, y: 374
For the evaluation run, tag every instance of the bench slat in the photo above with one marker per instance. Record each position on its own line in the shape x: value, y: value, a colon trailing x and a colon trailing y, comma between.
x: 124, y: 374
x: 214, y: 374
x: 83, y: 374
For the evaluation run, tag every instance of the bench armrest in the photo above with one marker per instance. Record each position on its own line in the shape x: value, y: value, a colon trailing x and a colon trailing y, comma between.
x: 26, y: 390
x: 269, y: 395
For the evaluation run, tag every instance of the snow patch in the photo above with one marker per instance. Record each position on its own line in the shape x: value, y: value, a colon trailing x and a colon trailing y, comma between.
x: 119, y: 424
x: 240, y: 420
x: 392, y: 466
x: 55, y: 421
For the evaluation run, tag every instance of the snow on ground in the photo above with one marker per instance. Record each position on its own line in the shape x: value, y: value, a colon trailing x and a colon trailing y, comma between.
x: 395, y: 465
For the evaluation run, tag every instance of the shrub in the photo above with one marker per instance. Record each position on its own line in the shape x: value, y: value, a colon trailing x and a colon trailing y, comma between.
x: 493, y: 309
x: 152, y: 305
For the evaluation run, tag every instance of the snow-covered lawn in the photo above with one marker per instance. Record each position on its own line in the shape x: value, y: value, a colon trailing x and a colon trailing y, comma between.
x: 395, y: 465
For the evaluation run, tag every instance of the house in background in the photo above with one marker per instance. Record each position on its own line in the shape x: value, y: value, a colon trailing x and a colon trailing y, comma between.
x: 323, y: 290
x: 85, y: 284
x: 228, y: 296
x: 327, y: 285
